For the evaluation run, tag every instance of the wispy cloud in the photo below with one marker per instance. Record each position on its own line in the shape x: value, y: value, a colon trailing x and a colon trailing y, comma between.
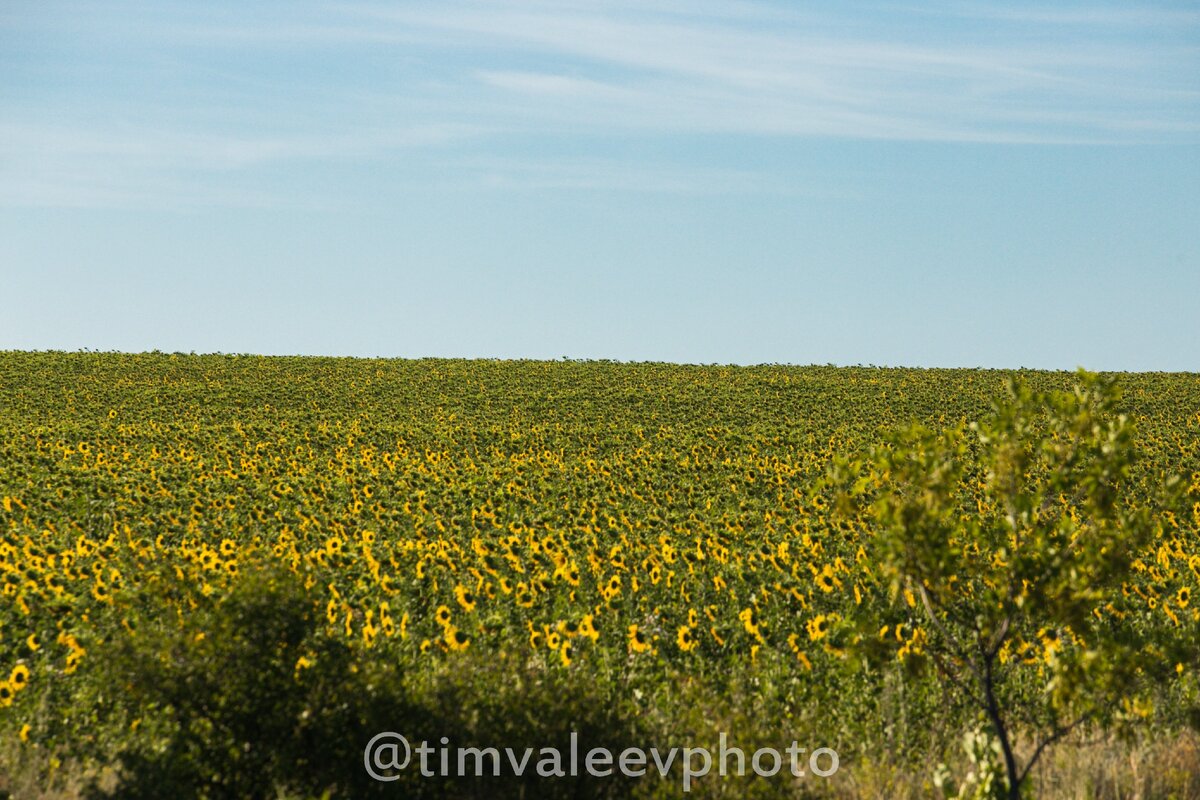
x: 854, y: 73
x: 937, y: 72
x: 556, y: 173
x: 1088, y: 15
x: 131, y: 165
x: 554, y: 85
x: 210, y: 149
x: 835, y: 77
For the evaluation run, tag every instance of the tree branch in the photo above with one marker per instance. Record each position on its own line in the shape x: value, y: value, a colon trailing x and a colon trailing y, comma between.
x: 958, y: 682
x: 928, y: 604
x: 993, y: 647
x: 1059, y: 732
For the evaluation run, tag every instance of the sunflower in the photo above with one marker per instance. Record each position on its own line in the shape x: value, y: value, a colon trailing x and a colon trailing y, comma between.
x: 442, y: 616
x: 1049, y: 638
x: 587, y: 627
x: 749, y: 621
x: 33, y: 642
x: 6, y: 694
x: 818, y: 626
x: 638, y: 641
x: 685, y: 640
x: 838, y: 652
x: 827, y: 580
x: 101, y: 592
x: 370, y: 631
x: 456, y: 639
x: 1183, y: 597
x: 23, y: 735
x: 303, y: 662
x: 464, y: 597
x: 19, y: 678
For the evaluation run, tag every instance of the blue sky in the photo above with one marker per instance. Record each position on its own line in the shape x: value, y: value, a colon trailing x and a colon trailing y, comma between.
x: 921, y: 184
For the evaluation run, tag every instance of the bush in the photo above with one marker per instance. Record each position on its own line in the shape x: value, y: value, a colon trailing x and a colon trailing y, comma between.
x: 246, y: 697
x: 251, y: 697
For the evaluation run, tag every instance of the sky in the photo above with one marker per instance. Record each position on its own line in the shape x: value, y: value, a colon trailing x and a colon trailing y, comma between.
x: 944, y: 184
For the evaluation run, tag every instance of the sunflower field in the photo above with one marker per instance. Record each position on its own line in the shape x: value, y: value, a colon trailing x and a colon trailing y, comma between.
x: 654, y: 550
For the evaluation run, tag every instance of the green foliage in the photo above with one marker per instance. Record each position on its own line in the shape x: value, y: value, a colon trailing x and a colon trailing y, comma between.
x: 984, y: 779
x: 248, y: 697
x: 244, y: 697
x: 1019, y: 593
x: 579, y: 537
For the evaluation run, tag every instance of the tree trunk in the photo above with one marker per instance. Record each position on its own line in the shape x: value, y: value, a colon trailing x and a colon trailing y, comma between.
x: 993, y: 712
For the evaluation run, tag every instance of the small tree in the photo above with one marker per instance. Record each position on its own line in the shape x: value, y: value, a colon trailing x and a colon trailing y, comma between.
x: 1006, y: 545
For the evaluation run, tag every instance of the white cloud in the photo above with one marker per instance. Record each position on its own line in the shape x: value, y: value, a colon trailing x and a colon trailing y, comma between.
x: 808, y: 75
x: 558, y: 69
x: 553, y: 84
x: 131, y: 165
x: 1090, y: 15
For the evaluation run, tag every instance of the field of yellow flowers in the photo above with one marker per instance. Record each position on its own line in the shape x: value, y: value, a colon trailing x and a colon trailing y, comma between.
x: 599, y: 519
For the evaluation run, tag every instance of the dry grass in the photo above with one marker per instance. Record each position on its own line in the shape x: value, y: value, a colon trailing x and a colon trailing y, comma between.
x: 1153, y: 769
x: 1163, y: 768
